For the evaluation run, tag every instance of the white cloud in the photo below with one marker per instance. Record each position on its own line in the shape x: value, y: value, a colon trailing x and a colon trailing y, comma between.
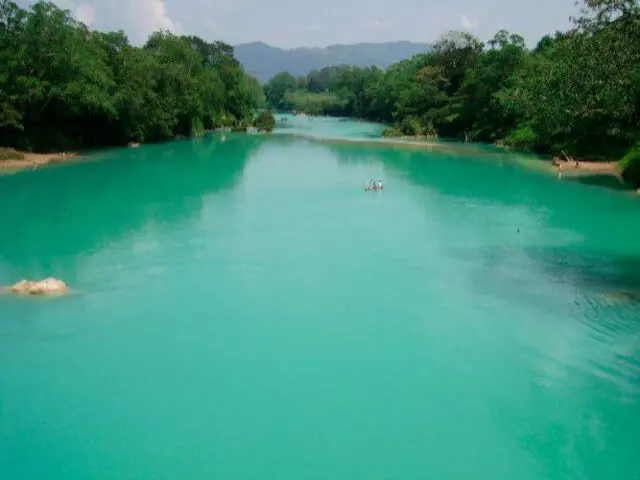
x: 380, y: 24
x: 239, y: 21
x: 159, y: 16
x: 85, y: 13
x: 138, y: 18
x: 468, y: 22
x: 64, y: 4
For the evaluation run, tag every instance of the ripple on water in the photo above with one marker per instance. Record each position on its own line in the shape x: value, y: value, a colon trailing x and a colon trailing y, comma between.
x: 246, y: 302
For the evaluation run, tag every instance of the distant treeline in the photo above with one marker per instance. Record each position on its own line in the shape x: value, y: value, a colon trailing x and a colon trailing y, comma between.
x: 64, y: 86
x: 577, y: 93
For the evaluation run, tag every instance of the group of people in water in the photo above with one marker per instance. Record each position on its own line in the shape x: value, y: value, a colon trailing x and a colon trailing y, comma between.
x: 374, y: 185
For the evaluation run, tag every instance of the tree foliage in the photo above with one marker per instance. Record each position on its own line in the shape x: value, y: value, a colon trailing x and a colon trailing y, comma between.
x: 265, y: 122
x: 277, y: 87
x: 64, y: 86
x: 576, y: 92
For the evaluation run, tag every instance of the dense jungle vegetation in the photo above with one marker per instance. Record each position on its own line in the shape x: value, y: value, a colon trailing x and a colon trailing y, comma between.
x: 576, y: 94
x: 64, y: 86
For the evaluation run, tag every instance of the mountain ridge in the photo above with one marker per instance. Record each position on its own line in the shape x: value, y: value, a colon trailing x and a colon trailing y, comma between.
x: 264, y: 61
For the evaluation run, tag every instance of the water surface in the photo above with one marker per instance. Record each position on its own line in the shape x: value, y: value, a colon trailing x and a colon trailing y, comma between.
x: 244, y: 310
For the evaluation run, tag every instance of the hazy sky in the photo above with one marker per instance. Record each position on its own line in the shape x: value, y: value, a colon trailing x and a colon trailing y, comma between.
x: 292, y: 23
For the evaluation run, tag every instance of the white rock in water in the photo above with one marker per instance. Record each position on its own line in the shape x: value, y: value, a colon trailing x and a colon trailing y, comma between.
x: 48, y: 285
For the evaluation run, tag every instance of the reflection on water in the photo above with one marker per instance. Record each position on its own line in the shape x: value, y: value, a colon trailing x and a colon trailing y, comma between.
x: 601, y: 180
x: 245, y: 309
x: 58, y: 216
x: 580, y: 270
x: 326, y: 127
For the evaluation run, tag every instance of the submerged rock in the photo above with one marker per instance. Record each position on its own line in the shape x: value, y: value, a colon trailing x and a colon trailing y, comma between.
x: 42, y: 287
x: 621, y: 297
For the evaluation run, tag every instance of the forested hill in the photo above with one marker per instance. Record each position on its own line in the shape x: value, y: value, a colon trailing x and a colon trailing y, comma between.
x: 64, y: 86
x: 264, y: 61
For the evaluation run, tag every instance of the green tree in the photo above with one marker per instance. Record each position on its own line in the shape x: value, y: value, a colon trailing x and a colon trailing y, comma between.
x: 265, y: 122
x: 64, y: 86
x: 278, y: 86
x: 482, y: 115
x: 580, y: 94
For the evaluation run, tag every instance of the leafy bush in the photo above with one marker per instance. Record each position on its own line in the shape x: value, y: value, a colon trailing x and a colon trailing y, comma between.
x: 630, y: 166
x: 197, y: 127
x: 429, y: 129
x: 391, y: 132
x: 10, y: 154
x: 411, y: 126
x: 521, y: 137
x: 323, y: 103
x: 105, y: 91
x: 265, y: 122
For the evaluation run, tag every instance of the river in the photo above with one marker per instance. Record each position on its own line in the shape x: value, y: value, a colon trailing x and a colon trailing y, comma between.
x: 242, y: 309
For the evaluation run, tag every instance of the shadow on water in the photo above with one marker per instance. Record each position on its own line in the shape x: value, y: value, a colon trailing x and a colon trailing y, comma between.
x: 466, y: 171
x: 488, y: 178
x: 50, y: 217
x: 600, y: 180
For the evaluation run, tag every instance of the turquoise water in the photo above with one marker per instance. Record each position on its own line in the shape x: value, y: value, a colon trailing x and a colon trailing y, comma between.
x: 242, y: 310
x: 327, y: 127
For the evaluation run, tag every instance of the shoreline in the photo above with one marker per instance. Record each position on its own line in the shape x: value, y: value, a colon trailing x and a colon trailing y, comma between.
x: 574, y: 168
x: 562, y: 167
x: 568, y: 168
x: 555, y: 164
x: 368, y: 141
x: 35, y: 160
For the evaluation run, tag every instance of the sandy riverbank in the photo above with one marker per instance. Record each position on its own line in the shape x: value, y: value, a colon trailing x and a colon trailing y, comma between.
x: 578, y: 167
x: 563, y: 168
x: 380, y: 141
x: 35, y: 160
x: 585, y: 171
